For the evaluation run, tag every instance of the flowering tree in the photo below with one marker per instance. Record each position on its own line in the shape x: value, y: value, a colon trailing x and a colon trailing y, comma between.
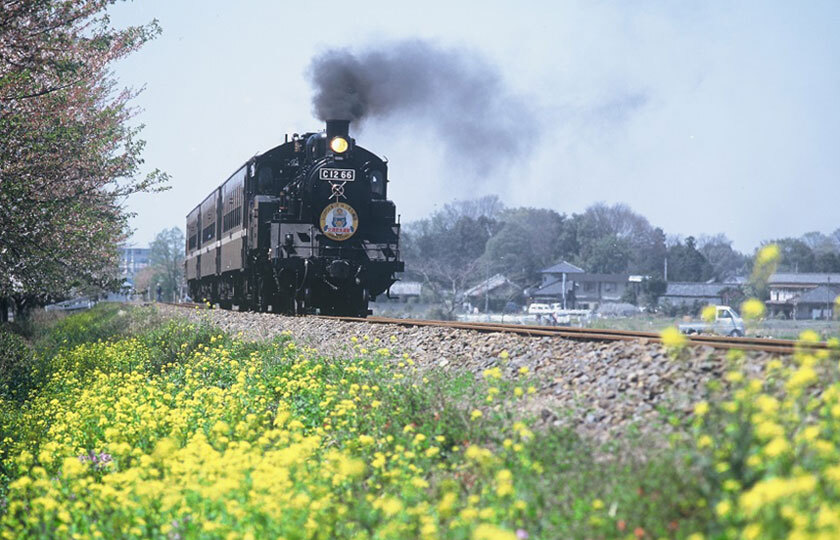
x: 69, y: 157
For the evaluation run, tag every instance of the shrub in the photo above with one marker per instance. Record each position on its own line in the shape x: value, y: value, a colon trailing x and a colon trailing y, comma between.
x: 17, y: 366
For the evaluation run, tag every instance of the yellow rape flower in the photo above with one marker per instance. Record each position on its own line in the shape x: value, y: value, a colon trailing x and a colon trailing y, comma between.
x: 802, y: 377
x: 390, y: 506
x: 776, y: 447
x: 419, y: 483
x: 753, y: 309
x: 492, y: 373
x: 673, y: 339
x: 768, y: 255
x: 809, y: 337
x: 734, y: 376
x: 447, y: 504
x: 486, y: 531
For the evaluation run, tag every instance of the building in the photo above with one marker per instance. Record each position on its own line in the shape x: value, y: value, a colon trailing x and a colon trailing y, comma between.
x: 133, y: 260
x: 802, y: 296
x: 573, y: 288
x: 817, y: 303
x: 692, y: 294
x: 558, y: 284
x: 405, y: 291
x: 494, y: 293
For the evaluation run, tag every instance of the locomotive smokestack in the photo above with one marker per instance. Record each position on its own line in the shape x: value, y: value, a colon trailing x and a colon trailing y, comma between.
x: 338, y: 128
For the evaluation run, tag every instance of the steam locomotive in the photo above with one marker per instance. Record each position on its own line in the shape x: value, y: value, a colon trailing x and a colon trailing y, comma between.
x: 305, y: 227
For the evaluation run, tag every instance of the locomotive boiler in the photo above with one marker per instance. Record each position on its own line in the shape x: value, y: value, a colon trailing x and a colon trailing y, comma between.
x: 305, y: 227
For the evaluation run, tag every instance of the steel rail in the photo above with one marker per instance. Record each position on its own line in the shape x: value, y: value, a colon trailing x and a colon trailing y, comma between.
x: 778, y: 346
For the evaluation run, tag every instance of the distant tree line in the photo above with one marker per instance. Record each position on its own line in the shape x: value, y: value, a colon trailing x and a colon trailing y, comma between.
x: 467, y: 241
x: 166, y: 267
x: 68, y: 156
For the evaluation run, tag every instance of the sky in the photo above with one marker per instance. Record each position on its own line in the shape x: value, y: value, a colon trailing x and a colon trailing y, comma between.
x: 705, y: 117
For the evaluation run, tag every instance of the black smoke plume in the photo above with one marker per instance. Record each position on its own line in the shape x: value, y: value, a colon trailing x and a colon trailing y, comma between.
x: 457, y: 93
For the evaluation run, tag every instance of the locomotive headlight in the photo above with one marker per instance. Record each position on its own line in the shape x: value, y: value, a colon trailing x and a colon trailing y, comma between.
x: 339, y: 145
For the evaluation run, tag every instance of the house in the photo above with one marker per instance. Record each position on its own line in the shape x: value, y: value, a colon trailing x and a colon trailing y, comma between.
x: 133, y: 260
x: 406, y: 291
x: 573, y: 288
x: 493, y: 293
x: 817, y: 303
x: 593, y: 289
x: 557, y: 272
x: 557, y: 285
x: 690, y: 294
x: 789, y: 290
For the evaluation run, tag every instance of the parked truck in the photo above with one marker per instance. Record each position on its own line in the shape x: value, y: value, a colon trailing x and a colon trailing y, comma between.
x: 726, y: 322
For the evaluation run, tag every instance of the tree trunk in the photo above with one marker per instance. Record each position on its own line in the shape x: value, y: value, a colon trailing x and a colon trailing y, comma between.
x: 4, y: 310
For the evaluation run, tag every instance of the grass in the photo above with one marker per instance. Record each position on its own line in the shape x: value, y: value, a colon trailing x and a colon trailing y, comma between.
x: 139, y: 427
x: 393, y: 453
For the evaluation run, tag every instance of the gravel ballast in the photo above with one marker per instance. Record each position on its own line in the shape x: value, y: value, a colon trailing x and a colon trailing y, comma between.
x: 598, y: 387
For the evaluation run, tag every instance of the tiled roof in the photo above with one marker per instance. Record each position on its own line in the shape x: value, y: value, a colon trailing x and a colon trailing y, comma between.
x: 618, y: 278
x: 487, y: 285
x: 783, y: 278
x: 820, y: 295
x: 562, y: 267
x: 692, y: 289
x: 406, y: 288
x: 554, y: 288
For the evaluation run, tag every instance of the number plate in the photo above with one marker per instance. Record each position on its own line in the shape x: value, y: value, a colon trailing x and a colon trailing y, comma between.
x: 338, y: 175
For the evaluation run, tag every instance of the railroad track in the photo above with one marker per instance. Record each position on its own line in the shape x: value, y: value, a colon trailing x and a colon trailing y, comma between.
x: 770, y: 345
x: 779, y: 346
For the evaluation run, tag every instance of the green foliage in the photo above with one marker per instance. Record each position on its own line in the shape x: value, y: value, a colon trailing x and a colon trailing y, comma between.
x: 686, y: 263
x: 607, y: 255
x: 207, y: 435
x: 725, y: 261
x: 511, y: 252
x: 173, y: 342
x: 767, y: 448
x: 166, y: 262
x: 70, y: 153
x: 18, y: 367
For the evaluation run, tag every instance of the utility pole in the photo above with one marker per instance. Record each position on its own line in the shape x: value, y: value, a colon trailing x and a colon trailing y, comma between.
x: 564, y: 290
x: 487, y: 289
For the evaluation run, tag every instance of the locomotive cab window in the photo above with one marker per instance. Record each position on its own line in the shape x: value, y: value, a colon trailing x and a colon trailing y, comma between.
x: 265, y: 177
x: 377, y: 183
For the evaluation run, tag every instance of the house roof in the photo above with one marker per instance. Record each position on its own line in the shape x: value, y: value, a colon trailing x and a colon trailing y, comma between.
x: 407, y: 288
x: 488, y: 285
x: 693, y: 289
x: 783, y: 278
x: 820, y: 295
x: 619, y: 278
x: 555, y: 288
x: 562, y: 267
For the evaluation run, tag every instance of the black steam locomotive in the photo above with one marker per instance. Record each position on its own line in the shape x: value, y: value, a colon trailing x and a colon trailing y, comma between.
x: 306, y: 227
